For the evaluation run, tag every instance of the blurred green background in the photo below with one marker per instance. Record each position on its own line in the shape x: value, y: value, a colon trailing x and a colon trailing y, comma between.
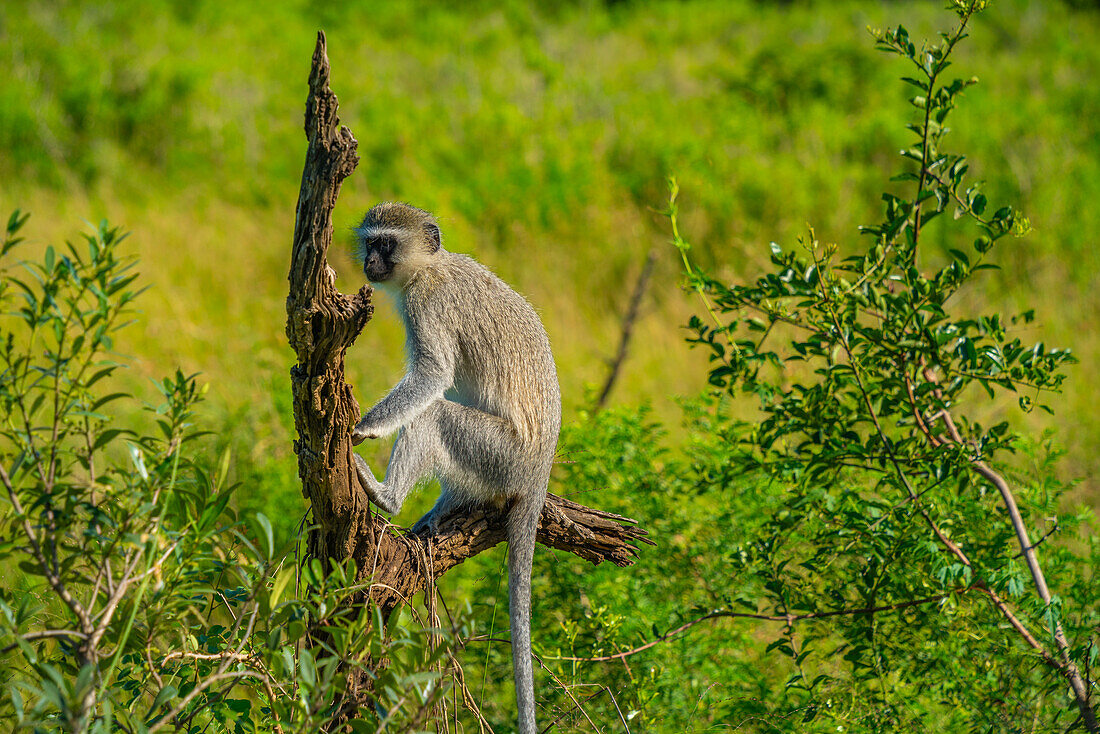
x: 542, y: 134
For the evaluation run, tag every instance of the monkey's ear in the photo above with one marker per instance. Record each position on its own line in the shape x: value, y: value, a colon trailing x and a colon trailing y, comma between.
x: 434, y: 237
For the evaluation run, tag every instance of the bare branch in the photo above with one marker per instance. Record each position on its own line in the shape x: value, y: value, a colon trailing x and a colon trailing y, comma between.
x: 628, y: 327
x: 42, y: 635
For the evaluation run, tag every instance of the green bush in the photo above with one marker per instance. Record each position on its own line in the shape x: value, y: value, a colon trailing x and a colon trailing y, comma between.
x: 134, y: 598
x: 864, y: 554
x: 844, y: 561
x: 901, y: 553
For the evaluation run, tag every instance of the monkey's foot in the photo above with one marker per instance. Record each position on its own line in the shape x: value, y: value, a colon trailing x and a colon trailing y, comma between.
x: 428, y: 524
x: 374, y: 488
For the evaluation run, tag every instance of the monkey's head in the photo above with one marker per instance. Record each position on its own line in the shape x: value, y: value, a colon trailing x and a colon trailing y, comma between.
x: 395, y: 240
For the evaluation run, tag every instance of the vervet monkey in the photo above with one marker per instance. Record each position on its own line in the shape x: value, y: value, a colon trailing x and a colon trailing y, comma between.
x: 479, y: 407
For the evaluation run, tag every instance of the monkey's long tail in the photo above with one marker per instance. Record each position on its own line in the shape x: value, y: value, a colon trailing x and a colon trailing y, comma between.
x: 523, y: 522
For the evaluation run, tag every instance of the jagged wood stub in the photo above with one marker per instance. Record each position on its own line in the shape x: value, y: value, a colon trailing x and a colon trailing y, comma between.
x: 321, y: 324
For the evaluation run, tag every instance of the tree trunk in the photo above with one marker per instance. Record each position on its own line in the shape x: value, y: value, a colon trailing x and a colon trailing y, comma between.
x: 321, y: 324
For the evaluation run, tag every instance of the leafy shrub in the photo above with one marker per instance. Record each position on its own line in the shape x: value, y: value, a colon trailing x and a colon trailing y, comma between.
x: 863, y: 555
x: 897, y: 532
x: 134, y: 597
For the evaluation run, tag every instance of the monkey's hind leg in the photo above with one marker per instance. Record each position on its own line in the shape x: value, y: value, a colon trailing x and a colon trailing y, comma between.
x: 478, y: 457
x: 488, y: 462
x: 415, y: 455
x: 375, y: 489
x: 449, y: 500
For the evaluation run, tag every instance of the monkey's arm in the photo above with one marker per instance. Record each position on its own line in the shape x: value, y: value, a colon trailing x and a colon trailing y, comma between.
x: 430, y: 374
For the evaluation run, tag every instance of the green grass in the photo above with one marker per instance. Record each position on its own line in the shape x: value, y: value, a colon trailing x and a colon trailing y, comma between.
x: 543, y: 139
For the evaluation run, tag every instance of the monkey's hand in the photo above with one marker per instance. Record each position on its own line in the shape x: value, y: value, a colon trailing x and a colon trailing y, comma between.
x: 362, y: 432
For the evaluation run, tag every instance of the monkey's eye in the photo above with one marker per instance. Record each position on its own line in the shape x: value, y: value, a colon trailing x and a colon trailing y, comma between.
x: 384, y: 245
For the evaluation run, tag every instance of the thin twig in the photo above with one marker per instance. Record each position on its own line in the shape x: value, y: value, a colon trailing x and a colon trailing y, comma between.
x: 628, y: 328
x: 42, y: 635
x: 1039, y: 542
x: 787, y: 619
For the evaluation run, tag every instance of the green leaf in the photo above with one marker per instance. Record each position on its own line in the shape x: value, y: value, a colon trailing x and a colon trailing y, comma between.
x: 282, y: 580
x: 223, y: 469
x: 267, y: 534
x: 960, y: 256
x: 977, y: 204
x: 307, y: 669
x: 138, y: 460
x: 106, y: 436
x: 16, y: 221
x: 13, y: 692
x: 165, y: 695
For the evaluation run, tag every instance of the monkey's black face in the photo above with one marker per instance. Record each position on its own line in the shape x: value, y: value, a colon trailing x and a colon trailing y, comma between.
x: 378, y: 257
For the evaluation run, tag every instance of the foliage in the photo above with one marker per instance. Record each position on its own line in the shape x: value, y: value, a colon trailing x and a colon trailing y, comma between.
x: 895, y: 526
x: 848, y: 561
x: 142, y: 601
x: 498, y: 117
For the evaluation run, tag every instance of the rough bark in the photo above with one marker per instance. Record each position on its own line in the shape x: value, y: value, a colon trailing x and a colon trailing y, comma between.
x: 321, y: 324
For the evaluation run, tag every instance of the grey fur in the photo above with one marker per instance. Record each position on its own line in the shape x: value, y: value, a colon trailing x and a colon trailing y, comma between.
x: 479, y: 407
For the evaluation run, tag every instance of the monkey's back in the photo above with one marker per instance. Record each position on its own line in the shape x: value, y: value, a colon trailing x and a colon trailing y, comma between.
x: 504, y: 364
